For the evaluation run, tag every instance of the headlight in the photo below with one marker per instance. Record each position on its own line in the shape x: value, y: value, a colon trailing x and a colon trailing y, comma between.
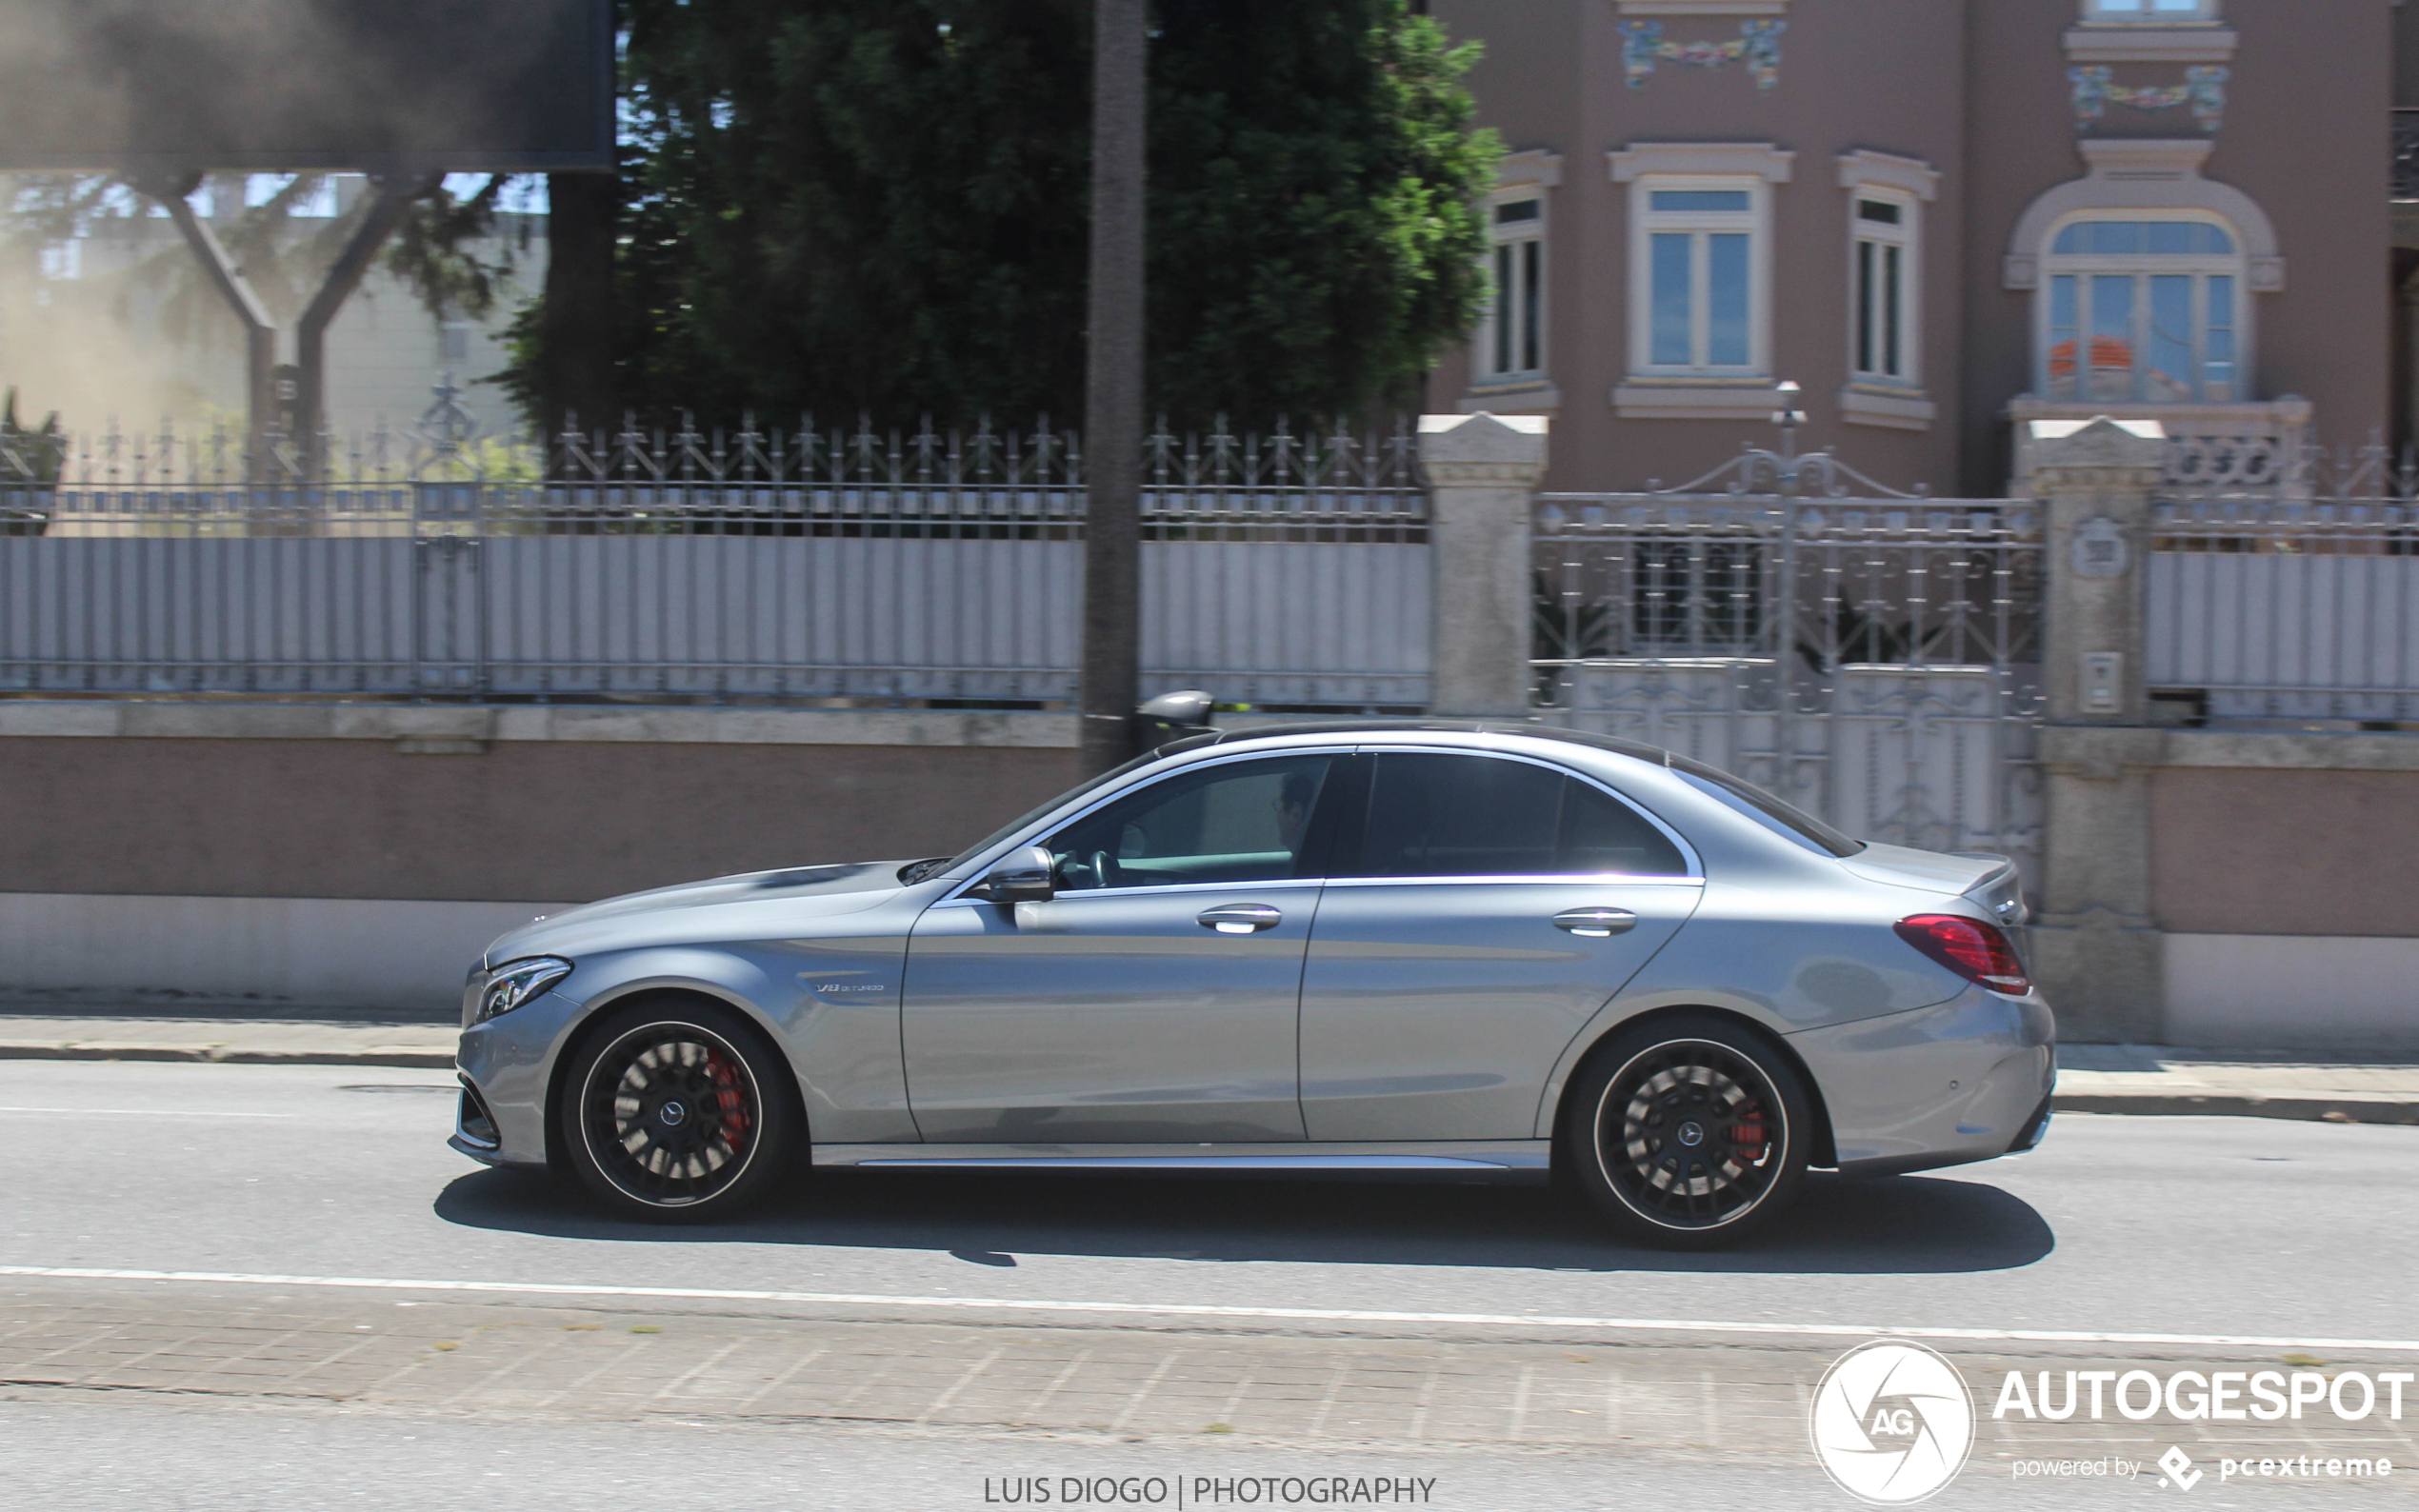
x: 516, y: 982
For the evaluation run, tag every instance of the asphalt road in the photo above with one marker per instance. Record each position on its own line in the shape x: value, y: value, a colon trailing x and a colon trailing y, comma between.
x: 2254, y: 1231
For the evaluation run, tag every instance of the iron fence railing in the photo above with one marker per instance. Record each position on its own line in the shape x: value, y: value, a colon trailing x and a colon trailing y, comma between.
x: 2299, y: 610
x: 1278, y: 568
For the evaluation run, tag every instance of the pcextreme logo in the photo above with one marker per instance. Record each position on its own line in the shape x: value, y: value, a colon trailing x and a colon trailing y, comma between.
x: 1891, y: 1422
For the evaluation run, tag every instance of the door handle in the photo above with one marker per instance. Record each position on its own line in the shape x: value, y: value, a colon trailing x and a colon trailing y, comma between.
x: 1241, y: 917
x: 1596, y: 923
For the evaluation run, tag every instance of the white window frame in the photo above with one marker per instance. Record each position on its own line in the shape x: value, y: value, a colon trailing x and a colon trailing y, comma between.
x: 1646, y: 223
x: 2153, y: 13
x: 1522, y: 245
x: 2082, y: 266
x: 1868, y: 328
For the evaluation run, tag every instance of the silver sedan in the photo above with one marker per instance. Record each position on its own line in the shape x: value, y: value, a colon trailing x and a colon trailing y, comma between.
x: 1456, y: 949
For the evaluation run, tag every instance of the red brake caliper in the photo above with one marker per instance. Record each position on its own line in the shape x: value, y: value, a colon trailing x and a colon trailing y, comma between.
x: 734, y: 1104
x: 1748, y: 1133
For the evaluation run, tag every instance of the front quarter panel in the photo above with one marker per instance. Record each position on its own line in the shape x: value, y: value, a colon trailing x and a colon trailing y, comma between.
x: 829, y: 1002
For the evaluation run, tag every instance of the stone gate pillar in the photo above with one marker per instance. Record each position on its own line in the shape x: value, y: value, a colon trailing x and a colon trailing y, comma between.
x: 2096, y: 947
x: 1482, y: 474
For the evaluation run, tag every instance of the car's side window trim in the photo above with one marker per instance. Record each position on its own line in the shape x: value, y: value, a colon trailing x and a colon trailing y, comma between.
x: 1082, y: 894
x: 1340, y: 754
x: 1625, y: 879
x: 1689, y: 857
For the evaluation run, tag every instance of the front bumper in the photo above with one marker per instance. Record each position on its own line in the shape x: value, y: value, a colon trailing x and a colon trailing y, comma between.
x: 1964, y: 1079
x: 506, y: 1064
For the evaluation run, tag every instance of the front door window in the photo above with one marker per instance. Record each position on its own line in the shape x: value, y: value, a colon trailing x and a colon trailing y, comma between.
x: 1249, y: 822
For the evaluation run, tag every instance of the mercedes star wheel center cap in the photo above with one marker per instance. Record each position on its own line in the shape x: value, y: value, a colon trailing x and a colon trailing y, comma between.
x: 671, y: 1113
x: 1692, y: 1134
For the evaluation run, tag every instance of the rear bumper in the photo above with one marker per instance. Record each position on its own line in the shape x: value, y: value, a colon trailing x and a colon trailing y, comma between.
x: 1966, y: 1079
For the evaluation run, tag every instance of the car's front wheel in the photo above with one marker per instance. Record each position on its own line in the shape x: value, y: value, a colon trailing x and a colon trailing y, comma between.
x: 1688, y: 1132
x: 674, y: 1111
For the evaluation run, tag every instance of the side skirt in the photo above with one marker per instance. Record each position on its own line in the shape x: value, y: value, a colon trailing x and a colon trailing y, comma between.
x: 1523, y: 1162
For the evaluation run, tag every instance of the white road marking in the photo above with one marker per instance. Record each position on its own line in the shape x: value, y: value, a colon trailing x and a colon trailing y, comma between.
x: 1490, y: 1320
x: 143, y: 1112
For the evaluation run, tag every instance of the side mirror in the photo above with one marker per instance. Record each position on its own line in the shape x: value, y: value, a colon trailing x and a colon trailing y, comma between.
x: 1027, y: 876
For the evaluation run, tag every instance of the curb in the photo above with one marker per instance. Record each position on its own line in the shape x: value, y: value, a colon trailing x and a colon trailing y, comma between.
x: 2318, y: 1109
x: 402, y: 1060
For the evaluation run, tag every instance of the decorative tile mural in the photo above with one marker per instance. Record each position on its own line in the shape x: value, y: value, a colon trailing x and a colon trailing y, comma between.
x: 2204, y: 89
x: 1758, y: 46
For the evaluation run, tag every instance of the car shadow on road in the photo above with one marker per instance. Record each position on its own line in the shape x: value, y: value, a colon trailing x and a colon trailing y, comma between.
x: 1904, y: 1225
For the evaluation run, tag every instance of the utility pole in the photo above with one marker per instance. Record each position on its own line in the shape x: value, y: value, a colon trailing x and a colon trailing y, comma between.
x: 1111, y: 682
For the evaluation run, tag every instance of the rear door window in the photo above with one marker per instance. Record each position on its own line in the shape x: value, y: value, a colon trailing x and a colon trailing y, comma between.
x: 1435, y: 815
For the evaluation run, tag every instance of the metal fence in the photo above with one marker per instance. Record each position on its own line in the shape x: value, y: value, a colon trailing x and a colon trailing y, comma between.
x: 1872, y: 656
x: 756, y: 563
x: 2297, y: 605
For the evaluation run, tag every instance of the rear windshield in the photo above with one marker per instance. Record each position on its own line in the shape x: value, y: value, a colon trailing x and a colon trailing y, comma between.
x: 1783, y: 819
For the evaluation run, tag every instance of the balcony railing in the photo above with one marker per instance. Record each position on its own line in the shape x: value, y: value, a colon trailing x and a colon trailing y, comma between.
x: 2252, y: 449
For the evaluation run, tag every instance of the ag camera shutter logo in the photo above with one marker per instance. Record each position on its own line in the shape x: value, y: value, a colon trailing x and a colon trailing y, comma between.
x: 1893, y: 1423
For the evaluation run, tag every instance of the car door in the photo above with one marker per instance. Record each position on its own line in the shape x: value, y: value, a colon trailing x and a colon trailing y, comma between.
x: 1157, y: 998
x: 1488, y: 907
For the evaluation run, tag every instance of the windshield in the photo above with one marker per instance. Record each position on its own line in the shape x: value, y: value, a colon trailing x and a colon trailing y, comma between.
x: 1783, y: 819
x: 1021, y: 820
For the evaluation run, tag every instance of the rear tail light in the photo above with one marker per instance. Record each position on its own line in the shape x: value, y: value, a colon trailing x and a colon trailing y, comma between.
x: 1973, y: 949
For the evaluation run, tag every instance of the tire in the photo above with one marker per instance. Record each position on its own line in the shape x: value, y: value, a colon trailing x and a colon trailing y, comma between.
x: 676, y: 1111
x: 1628, y: 1122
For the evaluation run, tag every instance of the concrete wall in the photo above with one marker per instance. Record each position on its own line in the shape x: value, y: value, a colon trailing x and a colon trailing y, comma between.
x: 2252, y: 851
x: 365, y: 854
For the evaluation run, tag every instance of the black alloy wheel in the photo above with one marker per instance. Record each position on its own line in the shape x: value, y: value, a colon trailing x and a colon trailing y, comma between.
x: 1687, y: 1133
x: 676, y: 1111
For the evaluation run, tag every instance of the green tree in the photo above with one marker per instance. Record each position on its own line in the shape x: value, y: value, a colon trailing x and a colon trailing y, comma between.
x: 880, y: 205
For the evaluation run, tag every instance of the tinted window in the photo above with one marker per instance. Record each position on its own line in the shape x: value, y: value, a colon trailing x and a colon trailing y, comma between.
x: 1240, y: 823
x: 1478, y: 816
x: 1601, y: 833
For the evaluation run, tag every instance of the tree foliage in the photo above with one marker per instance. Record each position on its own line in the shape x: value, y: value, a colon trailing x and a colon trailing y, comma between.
x: 880, y: 205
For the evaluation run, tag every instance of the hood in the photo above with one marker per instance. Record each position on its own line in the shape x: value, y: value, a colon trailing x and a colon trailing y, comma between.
x: 837, y: 890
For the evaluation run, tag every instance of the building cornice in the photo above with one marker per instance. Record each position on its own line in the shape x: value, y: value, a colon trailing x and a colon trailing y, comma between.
x: 1702, y: 8
x: 2145, y: 173
x: 1535, y: 167
x: 2134, y: 43
x: 1864, y: 168
x: 1629, y: 164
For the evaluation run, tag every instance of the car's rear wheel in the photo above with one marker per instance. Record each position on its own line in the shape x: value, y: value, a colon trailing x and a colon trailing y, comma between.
x: 1688, y: 1132
x: 676, y: 1111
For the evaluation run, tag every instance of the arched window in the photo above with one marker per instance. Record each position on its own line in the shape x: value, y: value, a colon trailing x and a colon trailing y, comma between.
x: 2144, y: 307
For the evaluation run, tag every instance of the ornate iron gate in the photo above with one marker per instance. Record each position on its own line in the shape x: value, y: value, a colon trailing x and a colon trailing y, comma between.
x: 1872, y: 656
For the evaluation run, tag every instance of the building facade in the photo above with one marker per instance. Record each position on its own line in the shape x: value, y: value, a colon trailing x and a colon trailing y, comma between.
x: 1937, y: 217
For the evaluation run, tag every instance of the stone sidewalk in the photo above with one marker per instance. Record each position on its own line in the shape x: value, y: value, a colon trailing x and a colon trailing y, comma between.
x: 541, y: 1362
x: 2341, y: 1088
x: 2338, y: 1087
x: 252, y: 1041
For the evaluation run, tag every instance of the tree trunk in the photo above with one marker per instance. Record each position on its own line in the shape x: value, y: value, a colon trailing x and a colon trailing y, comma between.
x: 1113, y: 398
x: 575, y: 331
